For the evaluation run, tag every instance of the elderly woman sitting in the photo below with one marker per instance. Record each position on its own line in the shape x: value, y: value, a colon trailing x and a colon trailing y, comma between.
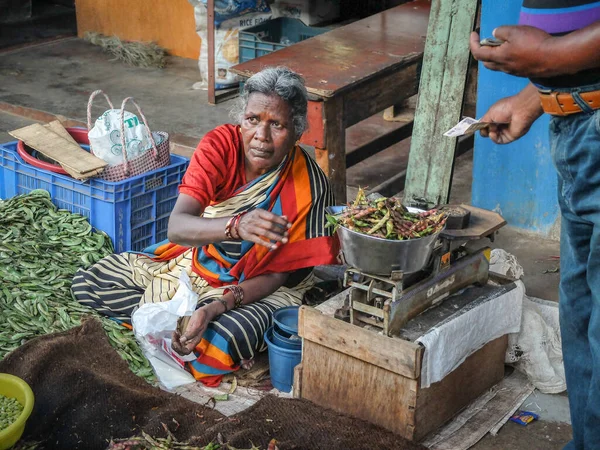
x: 248, y: 226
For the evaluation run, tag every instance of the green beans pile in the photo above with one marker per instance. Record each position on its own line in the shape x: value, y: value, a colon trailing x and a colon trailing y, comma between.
x: 41, y: 248
x: 147, y: 442
x: 10, y: 410
x: 387, y: 218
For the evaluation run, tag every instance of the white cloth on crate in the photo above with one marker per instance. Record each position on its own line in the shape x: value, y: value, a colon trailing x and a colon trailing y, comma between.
x: 449, y: 343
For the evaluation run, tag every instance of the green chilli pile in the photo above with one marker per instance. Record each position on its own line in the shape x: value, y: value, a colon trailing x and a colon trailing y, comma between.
x: 10, y: 410
x: 41, y: 248
x: 387, y: 218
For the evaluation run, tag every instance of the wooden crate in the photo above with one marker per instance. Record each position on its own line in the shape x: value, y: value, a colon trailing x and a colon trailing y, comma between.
x: 376, y: 378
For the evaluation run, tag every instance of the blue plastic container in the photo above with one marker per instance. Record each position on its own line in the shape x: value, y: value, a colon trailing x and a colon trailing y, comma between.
x: 133, y: 212
x: 286, y: 319
x: 283, y: 339
x: 273, y: 35
x: 282, y: 362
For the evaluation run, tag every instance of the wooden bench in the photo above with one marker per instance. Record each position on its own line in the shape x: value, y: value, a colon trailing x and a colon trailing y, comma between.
x: 352, y: 73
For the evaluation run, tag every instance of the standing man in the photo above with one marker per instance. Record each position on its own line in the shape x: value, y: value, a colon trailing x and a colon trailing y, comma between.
x: 557, y: 46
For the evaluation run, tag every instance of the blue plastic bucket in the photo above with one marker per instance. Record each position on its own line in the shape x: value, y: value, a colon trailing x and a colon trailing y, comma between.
x: 283, y: 339
x: 281, y: 363
x: 286, y: 319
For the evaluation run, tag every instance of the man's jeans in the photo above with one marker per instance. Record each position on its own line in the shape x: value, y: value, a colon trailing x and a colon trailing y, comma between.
x: 575, y: 143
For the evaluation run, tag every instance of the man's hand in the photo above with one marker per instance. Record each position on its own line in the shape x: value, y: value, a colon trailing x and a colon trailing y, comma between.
x: 186, y: 343
x: 519, y: 112
x: 262, y: 227
x: 526, y: 52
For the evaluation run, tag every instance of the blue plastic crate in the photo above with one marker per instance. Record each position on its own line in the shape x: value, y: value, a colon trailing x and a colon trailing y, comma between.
x: 267, y: 37
x: 134, y: 212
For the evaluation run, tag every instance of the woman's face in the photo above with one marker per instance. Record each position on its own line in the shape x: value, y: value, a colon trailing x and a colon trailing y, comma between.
x: 267, y: 132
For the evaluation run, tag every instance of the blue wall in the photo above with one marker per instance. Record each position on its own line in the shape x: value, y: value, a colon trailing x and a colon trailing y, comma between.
x: 517, y: 180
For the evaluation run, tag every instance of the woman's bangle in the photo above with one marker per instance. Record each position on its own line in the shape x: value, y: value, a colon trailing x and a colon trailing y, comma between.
x: 224, y: 303
x: 228, y: 227
x: 210, y: 301
x: 231, y: 229
x: 236, y: 224
x: 238, y: 294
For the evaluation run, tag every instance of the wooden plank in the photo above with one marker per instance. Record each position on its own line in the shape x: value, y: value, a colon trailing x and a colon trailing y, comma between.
x: 384, y: 89
x: 378, y: 144
x: 210, y: 40
x: 395, y: 355
x: 315, y: 135
x: 442, y: 400
x: 441, y: 93
x: 297, y: 386
x: 401, y: 112
x: 55, y: 147
x: 348, y: 385
x: 332, y: 159
x: 483, y: 415
x: 336, y: 60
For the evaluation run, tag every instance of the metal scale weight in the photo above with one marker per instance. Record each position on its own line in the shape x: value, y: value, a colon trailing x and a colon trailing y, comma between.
x: 406, y: 278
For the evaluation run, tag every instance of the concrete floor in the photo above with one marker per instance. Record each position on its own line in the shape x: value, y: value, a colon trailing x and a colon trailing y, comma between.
x: 58, y: 77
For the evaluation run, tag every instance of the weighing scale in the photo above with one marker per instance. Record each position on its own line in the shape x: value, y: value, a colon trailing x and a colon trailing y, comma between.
x: 458, y: 260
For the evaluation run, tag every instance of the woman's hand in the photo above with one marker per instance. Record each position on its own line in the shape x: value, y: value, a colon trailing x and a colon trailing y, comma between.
x: 186, y: 343
x: 514, y: 116
x: 262, y: 227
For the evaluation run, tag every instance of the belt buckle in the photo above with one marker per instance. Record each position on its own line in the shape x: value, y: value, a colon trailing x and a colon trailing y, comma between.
x: 554, y: 96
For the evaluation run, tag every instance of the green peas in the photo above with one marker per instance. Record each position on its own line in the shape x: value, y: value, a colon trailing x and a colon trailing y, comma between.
x: 10, y: 410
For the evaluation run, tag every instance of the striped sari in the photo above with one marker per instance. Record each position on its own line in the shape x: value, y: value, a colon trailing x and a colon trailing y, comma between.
x: 297, y: 188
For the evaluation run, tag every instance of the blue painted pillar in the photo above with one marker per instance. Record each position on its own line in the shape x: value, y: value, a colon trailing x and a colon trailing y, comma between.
x: 518, y: 180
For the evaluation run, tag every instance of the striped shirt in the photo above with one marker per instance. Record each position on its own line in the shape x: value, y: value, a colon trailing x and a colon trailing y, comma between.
x: 560, y: 17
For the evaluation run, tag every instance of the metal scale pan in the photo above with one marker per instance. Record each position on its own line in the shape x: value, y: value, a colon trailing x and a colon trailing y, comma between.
x: 380, y: 256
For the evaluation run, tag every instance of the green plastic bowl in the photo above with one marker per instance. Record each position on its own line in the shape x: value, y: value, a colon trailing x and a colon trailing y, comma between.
x: 11, y: 386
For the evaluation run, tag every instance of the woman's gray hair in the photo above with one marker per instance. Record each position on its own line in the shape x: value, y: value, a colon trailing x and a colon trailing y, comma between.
x: 279, y: 81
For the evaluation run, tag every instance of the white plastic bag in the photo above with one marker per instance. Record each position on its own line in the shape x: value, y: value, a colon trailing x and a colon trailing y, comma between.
x: 105, y: 137
x: 537, y: 349
x: 505, y: 263
x: 153, y: 325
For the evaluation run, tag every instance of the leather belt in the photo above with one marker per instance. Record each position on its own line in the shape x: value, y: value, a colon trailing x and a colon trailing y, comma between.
x: 563, y: 104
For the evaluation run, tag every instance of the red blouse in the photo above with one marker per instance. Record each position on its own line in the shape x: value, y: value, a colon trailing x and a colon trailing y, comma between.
x: 215, y: 170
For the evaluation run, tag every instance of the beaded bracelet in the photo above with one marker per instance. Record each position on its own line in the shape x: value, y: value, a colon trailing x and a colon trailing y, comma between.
x: 238, y: 294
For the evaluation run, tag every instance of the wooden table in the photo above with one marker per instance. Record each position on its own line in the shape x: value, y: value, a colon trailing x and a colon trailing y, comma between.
x: 352, y: 73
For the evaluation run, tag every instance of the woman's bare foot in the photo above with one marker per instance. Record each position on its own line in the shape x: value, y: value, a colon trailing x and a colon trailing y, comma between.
x: 247, y: 363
